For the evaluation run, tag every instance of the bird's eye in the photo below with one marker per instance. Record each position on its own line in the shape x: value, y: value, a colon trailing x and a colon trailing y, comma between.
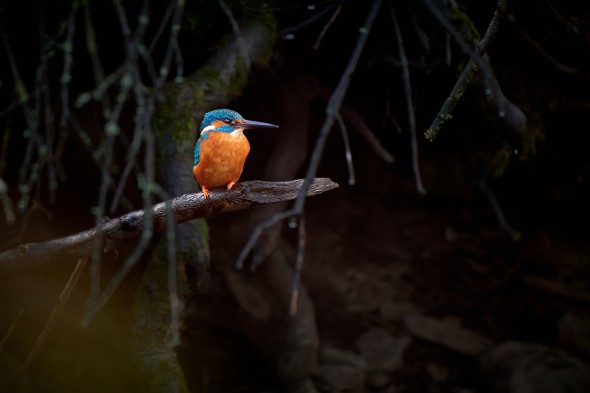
x: 228, y: 121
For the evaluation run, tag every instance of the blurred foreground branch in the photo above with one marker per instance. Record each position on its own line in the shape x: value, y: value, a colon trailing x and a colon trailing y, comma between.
x: 29, y: 258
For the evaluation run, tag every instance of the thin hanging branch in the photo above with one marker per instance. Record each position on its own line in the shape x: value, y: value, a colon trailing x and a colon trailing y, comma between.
x: 56, y: 311
x: 130, y: 82
x: 358, y: 124
x: 487, y: 75
x: 31, y: 120
x: 446, y: 111
x: 334, y: 105
x: 236, y: 28
x: 11, y: 328
x: 347, y: 151
x: 292, y: 29
x: 6, y: 202
x: 409, y: 102
x: 51, y: 320
x: 514, y: 234
x: 539, y: 48
x: 316, y: 45
x: 301, y: 239
x: 332, y: 111
x: 175, y: 301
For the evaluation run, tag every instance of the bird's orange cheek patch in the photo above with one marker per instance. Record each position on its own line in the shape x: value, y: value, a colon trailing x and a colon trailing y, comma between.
x: 217, y: 123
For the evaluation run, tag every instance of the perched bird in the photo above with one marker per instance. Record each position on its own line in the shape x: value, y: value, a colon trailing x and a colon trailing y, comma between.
x: 222, y: 148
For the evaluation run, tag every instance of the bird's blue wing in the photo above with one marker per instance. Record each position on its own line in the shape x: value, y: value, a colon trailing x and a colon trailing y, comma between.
x: 198, y: 147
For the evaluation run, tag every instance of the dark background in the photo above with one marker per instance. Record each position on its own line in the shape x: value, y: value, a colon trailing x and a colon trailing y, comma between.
x: 372, y: 246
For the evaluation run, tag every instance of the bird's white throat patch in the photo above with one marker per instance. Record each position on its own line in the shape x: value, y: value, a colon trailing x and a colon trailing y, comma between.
x: 234, y: 133
x: 208, y: 128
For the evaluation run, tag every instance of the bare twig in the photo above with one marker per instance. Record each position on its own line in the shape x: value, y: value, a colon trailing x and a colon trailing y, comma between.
x: 347, y: 152
x: 175, y: 302
x: 146, y: 180
x: 32, y: 257
x: 9, y: 215
x: 236, y: 28
x: 331, y: 112
x: 557, y: 288
x: 57, y: 309
x: 389, y: 116
x: 11, y: 328
x: 161, y: 28
x: 66, y: 76
x: 447, y: 334
x: 489, y: 88
x: 514, y: 234
x: 539, y: 48
x: 316, y: 45
x: 35, y: 206
x: 31, y: 120
x: 409, y: 102
x: 445, y: 112
x: 358, y: 124
x: 256, y: 233
x: 298, y: 265
x: 292, y: 29
x: 45, y: 158
x: 111, y: 131
x: 334, y: 106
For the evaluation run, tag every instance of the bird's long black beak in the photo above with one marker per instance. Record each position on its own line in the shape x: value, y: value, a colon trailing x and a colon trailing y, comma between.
x: 246, y: 124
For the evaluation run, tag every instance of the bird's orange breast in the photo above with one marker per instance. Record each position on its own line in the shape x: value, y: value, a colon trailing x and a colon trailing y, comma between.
x: 222, y: 158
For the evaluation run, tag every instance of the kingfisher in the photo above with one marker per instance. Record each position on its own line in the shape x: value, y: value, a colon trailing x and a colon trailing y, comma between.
x: 222, y: 148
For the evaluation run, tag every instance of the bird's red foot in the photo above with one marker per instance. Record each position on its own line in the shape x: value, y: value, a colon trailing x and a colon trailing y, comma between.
x: 230, y: 185
x: 205, y: 191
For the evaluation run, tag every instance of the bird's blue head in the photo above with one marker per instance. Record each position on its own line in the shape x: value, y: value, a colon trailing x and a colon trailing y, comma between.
x: 224, y: 120
x: 221, y: 120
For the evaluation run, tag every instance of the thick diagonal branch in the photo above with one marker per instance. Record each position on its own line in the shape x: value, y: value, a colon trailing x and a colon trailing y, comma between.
x: 29, y: 258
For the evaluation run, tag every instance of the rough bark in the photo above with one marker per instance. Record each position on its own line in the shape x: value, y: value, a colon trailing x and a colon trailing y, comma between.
x: 30, y: 258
